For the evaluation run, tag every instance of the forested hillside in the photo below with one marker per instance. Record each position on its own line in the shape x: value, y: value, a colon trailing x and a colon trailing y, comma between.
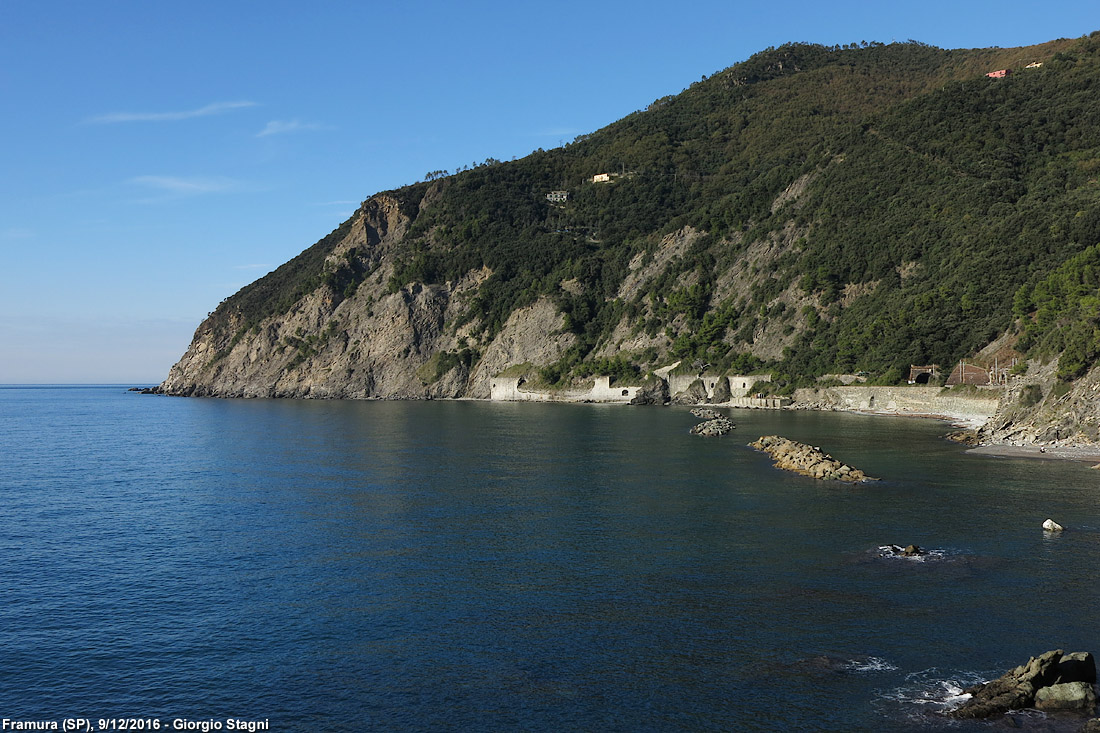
x: 809, y: 210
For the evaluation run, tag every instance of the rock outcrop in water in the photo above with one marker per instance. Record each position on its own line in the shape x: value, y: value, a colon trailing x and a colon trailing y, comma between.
x: 715, y: 422
x: 1053, y: 681
x: 710, y: 428
x: 907, y: 551
x: 807, y: 460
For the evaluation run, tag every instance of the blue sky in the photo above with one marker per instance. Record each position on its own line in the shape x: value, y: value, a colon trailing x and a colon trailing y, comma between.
x: 156, y: 157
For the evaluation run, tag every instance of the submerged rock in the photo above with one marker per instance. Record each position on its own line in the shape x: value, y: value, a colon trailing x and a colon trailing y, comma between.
x: 966, y: 437
x: 1051, y: 526
x: 807, y: 460
x: 705, y: 413
x: 908, y: 550
x: 1044, y: 680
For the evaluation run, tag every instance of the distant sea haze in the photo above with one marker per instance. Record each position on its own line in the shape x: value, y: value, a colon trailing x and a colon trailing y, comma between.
x: 348, y: 566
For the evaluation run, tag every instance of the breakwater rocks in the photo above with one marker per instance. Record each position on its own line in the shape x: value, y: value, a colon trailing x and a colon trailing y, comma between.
x: 710, y: 428
x: 716, y: 423
x: 1049, y: 682
x: 807, y: 460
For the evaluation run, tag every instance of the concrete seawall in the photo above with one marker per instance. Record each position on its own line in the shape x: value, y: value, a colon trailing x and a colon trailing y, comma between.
x: 972, y: 408
x: 739, y: 385
x: 508, y: 389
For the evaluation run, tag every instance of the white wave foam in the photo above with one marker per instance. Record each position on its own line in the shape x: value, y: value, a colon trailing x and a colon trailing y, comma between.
x: 870, y: 664
x: 932, y: 691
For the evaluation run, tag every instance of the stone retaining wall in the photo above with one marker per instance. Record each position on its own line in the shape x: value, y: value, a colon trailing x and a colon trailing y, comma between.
x: 903, y: 400
x: 740, y: 385
x: 508, y: 389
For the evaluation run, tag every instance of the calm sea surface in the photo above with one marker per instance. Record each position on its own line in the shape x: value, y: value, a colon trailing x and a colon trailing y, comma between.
x: 345, y: 566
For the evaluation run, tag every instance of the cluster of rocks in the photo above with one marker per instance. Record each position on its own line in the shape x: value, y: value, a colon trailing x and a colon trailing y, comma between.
x: 715, y: 422
x: 717, y: 426
x: 1050, y: 682
x: 807, y: 460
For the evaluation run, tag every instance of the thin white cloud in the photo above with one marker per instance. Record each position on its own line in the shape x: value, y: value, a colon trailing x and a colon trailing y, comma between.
x: 211, y: 109
x: 187, y: 186
x: 279, y: 127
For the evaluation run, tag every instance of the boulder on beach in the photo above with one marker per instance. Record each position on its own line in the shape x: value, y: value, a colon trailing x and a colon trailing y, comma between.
x: 1051, y: 526
x: 1043, y: 680
x: 807, y: 460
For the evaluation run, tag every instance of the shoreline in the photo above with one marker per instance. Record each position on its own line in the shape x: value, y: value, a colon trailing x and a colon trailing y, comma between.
x: 1081, y: 453
x: 966, y: 421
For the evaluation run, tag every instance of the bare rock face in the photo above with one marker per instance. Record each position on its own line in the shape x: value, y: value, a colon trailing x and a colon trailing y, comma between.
x: 531, y: 334
x: 364, y: 340
x: 807, y: 460
x: 695, y: 394
x: 1051, y: 681
x: 1066, y: 696
x: 654, y: 391
x: 1032, y: 412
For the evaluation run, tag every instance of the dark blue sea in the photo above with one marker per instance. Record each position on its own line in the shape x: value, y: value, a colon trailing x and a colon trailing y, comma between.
x: 465, y: 566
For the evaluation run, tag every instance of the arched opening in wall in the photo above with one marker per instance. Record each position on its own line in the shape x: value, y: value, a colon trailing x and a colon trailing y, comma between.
x: 923, y: 378
x: 626, y: 392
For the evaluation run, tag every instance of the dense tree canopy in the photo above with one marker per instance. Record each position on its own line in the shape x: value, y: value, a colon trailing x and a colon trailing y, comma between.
x: 949, y: 198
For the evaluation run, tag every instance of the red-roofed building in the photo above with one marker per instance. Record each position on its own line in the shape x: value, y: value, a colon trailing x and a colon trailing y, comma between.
x: 964, y: 373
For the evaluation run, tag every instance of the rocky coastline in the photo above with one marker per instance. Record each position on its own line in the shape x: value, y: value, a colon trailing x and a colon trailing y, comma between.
x: 1051, y: 682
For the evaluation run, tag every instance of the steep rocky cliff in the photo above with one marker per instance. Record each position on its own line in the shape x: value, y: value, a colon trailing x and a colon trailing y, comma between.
x: 363, y: 341
x: 1039, y: 409
x: 810, y: 210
